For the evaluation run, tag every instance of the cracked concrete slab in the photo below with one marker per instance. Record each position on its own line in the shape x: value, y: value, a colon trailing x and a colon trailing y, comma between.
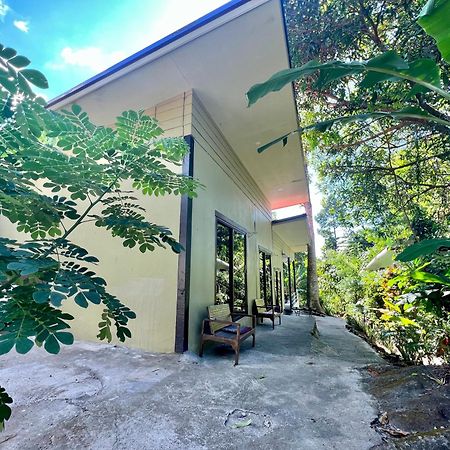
x: 299, y: 392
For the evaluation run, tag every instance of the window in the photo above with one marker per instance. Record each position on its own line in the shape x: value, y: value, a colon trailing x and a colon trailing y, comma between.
x: 265, y: 277
x: 231, y: 267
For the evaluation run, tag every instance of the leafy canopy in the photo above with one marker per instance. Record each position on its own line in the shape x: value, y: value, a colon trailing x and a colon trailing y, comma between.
x: 423, y: 74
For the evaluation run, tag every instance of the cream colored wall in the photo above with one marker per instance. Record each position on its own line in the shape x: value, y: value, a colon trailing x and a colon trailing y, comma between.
x: 232, y: 192
x: 147, y: 283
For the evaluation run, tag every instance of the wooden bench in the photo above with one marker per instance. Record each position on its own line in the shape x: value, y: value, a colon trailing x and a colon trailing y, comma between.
x: 263, y: 311
x: 220, y: 327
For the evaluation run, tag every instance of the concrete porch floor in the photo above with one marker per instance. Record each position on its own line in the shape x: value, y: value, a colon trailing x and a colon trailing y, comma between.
x: 300, y: 392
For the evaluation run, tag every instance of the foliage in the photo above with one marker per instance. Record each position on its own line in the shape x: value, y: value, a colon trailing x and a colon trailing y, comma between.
x: 373, y: 99
x: 370, y: 67
x: 381, y: 173
x: 301, y: 262
x: 422, y: 74
x: 405, y: 309
x: 58, y: 171
x: 422, y: 248
x: 390, y: 178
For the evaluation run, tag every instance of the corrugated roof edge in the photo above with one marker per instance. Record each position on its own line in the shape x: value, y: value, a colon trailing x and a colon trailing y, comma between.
x: 213, y: 15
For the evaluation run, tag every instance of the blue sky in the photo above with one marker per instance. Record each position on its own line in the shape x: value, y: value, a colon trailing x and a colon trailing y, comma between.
x: 71, y: 40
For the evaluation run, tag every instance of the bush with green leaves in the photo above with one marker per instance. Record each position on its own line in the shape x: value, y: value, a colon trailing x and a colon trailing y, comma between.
x: 58, y: 170
x: 418, y: 318
x: 378, y: 132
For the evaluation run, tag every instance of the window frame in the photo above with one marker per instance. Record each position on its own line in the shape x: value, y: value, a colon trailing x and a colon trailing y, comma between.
x: 234, y: 227
x: 263, y: 288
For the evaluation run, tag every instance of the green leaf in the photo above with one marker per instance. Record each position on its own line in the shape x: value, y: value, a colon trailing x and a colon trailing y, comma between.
x: 7, y: 53
x: 392, y: 306
x: 52, y: 345
x: 434, y: 19
x: 426, y: 70
x: 19, y: 61
x: 284, y: 77
x: 24, y: 345
x: 35, y: 77
x: 327, y: 76
x: 426, y: 277
x: 64, y: 337
x: 389, y: 65
x: 408, y: 322
x: 422, y: 248
x: 76, y: 109
x: 93, y: 296
x: 242, y: 423
x: 6, y: 345
x: 402, y: 114
x: 373, y: 78
x: 80, y: 300
x: 41, y: 296
x: 56, y: 298
x: 388, y: 60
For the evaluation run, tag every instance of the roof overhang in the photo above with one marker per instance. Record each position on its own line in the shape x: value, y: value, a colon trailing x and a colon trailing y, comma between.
x: 219, y: 56
x: 293, y: 231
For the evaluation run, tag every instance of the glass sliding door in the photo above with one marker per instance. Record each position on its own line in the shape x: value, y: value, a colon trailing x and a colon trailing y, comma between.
x: 223, y: 279
x: 265, y: 277
x: 239, y: 273
x: 278, y: 289
x: 231, y: 267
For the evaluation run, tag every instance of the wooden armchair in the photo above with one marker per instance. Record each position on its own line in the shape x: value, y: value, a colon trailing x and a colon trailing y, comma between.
x: 263, y: 311
x: 220, y: 327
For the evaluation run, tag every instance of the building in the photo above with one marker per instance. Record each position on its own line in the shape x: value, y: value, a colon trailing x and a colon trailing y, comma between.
x: 194, y: 82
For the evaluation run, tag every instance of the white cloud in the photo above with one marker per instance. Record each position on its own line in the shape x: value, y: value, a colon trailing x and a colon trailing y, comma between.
x: 93, y: 58
x: 4, y: 8
x: 22, y: 25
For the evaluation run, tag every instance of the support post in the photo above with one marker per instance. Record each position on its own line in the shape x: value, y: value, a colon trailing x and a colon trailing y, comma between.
x: 290, y: 284
x: 294, y: 281
x: 312, y: 282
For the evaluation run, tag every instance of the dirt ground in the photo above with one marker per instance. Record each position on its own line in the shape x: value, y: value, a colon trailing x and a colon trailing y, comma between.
x: 414, y: 405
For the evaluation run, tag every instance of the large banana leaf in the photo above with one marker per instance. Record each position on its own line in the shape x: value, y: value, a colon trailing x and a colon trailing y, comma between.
x: 435, y: 20
x: 422, y: 248
x: 412, y: 114
x: 385, y: 67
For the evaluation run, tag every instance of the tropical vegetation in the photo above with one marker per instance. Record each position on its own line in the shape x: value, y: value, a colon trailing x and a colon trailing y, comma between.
x: 372, y: 81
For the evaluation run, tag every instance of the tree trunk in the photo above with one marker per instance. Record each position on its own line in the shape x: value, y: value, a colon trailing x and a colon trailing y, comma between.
x: 312, y: 282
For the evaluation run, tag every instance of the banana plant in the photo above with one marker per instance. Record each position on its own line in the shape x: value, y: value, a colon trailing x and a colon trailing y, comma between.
x: 423, y: 75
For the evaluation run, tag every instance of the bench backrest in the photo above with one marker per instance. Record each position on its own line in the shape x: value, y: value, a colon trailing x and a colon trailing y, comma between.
x: 220, y: 312
x: 260, y: 304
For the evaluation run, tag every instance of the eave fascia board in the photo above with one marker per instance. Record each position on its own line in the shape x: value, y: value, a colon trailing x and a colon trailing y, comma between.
x: 205, y: 24
x: 289, y: 219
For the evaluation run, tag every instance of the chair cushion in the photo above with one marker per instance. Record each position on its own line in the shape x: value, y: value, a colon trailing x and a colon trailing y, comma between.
x: 233, y: 329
